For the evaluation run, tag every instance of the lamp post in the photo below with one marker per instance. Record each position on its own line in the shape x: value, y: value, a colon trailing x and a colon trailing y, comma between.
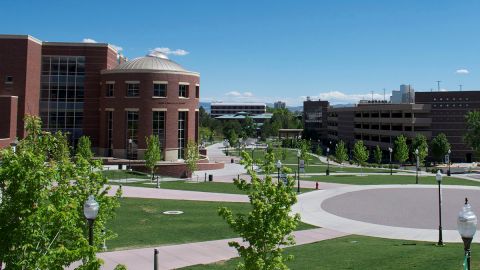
x: 299, y: 154
x: 467, y: 227
x: 90, y: 210
x: 448, y: 172
x: 416, y: 177
x: 130, y: 141
x: 426, y: 156
x: 439, y: 181
x: 279, y: 166
x: 390, y: 150
x: 14, y: 145
x: 328, y: 162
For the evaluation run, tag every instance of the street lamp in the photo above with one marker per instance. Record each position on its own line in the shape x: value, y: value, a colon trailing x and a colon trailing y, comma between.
x: 279, y: 166
x: 416, y: 178
x: 14, y: 145
x: 439, y: 181
x: 448, y: 172
x: 130, y: 141
x: 467, y: 227
x: 328, y: 161
x: 390, y: 150
x: 253, y: 149
x: 90, y: 210
x: 299, y: 154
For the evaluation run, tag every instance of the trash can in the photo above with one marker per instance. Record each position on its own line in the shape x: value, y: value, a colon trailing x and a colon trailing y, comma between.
x: 120, y: 166
x: 231, y: 160
x: 210, y: 177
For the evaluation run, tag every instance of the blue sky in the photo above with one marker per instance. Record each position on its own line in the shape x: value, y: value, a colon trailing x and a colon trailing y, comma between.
x: 279, y: 50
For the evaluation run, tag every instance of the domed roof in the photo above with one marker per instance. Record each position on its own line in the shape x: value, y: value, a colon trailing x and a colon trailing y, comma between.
x: 151, y: 62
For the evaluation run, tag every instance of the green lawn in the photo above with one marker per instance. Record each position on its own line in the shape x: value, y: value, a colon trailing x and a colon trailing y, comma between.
x: 290, y: 159
x: 323, y: 168
x: 122, y: 174
x: 389, y: 179
x: 140, y: 222
x: 360, y: 252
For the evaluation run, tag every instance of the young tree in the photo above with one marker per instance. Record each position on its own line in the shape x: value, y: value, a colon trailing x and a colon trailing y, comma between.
x: 341, y: 152
x: 440, y: 146
x: 84, y: 148
x: 304, y: 147
x: 472, y: 137
x: 249, y: 127
x: 360, y: 152
x: 268, y: 226
x: 401, y: 149
x: 377, y: 154
x: 153, y: 153
x: 43, y: 193
x: 420, y: 143
x: 191, y: 156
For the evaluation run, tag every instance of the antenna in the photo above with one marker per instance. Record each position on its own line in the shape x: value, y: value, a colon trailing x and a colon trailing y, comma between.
x: 438, y: 86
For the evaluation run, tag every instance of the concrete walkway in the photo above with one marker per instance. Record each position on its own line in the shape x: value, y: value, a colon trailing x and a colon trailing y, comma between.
x: 170, y: 194
x: 177, y: 256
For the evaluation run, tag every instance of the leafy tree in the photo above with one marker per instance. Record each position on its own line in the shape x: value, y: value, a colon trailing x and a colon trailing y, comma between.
x: 206, y: 134
x: 377, y: 154
x: 440, y: 146
x: 232, y: 137
x: 340, y: 152
x: 268, y: 226
x: 191, y: 156
x: 43, y: 192
x: 472, y: 137
x: 420, y: 143
x: 249, y: 127
x: 84, y: 148
x: 401, y: 149
x: 153, y: 153
x: 304, y: 147
x: 360, y: 152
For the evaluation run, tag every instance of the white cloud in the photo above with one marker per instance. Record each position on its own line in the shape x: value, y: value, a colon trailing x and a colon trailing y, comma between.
x: 118, y: 48
x: 164, y: 50
x: 89, y: 40
x: 462, y: 71
x: 337, y: 97
x: 238, y: 94
x: 233, y: 94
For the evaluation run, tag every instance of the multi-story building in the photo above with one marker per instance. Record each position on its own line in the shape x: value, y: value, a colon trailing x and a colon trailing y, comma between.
x: 315, y: 119
x: 222, y: 108
x: 279, y: 105
x: 88, y: 89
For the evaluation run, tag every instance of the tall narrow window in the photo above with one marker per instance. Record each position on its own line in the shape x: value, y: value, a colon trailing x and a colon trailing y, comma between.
x: 182, y: 133
x: 183, y: 90
x: 132, y: 133
x: 197, y: 91
x: 110, y: 89
x: 159, y: 89
x: 133, y: 89
x: 158, y: 127
x: 110, y: 133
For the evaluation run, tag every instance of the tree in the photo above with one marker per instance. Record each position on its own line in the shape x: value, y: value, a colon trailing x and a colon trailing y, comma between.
x: 420, y: 143
x: 43, y: 192
x: 377, y: 155
x: 304, y: 147
x: 191, y: 156
x: 340, y: 152
x: 440, y: 146
x: 360, y: 152
x: 249, y: 127
x: 472, y: 137
x: 84, y: 148
x: 401, y: 149
x: 153, y: 153
x: 268, y: 226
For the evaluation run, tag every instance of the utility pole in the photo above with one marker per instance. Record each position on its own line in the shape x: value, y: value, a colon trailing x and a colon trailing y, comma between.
x: 438, y: 86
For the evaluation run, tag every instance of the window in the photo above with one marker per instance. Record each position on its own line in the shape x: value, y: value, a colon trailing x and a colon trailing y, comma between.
x: 133, y: 89
x: 132, y: 133
x: 197, y: 91
x: 182, y: 128
x: 158, y: 127
x: 8, y: 79
x: 183, y: 90
x: 109, y: 132
x: 110, y: 89
x: 159, y: 89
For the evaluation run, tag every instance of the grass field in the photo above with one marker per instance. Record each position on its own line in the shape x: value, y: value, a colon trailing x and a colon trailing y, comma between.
x: 140, y: 222
x: 360, y: 252
x: 389, y: 179
x: 122, y: 174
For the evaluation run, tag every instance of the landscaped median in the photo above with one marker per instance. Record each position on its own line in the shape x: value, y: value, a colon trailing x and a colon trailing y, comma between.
x: 362, y: 252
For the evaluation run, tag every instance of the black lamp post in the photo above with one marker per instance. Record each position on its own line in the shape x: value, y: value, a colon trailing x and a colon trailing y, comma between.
x: 416, y: 177
x: 328, y: 162
x: 439, y: 181
x: 279, y: 166
x: 299, y: 153
x: 467, y: 227
x: 448, y: 172
x: 390, y: 150
x: 90, y: 210
x: 130, y: 141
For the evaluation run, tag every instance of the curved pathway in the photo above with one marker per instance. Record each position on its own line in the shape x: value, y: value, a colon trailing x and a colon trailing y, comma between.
x: 407, y: 212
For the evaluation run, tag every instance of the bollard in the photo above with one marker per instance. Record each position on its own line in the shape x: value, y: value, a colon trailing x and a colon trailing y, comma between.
x: 238, y: 177
x: 158, y: 182
x: 155, y: 259
x: 205, y: 177
x: 316, y: 185
x: 104, y: 247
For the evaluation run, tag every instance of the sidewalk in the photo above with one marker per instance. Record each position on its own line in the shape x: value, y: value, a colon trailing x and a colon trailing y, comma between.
x: 177, y: 256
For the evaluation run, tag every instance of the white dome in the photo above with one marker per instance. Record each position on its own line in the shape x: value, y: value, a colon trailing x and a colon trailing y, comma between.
x: 150, y: 62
